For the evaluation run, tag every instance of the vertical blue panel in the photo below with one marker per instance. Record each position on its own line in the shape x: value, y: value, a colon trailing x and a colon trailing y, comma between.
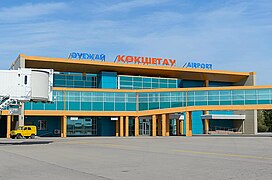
x: 197, y: 122
x: 105, y: 127
x: 107, y: 80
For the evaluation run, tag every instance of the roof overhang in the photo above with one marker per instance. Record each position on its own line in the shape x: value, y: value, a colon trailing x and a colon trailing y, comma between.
x: 88, y: 66
x: 223, y: 116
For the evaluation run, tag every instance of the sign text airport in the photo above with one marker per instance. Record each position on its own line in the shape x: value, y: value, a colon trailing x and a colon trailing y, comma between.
x: 196, y: 65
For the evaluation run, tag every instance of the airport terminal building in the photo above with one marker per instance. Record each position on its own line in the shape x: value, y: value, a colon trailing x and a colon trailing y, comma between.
x: 139, y: 96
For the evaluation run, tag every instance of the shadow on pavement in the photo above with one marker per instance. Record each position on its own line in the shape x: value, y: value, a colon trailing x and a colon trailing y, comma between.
x: 25, y: 142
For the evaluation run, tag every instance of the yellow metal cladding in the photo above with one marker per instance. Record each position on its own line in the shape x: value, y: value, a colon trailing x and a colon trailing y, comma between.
x: 163, y: 124
x: 181, y: 125
x: 117, y: 128
x: 206, y: 123
x: 127, y: 126
x: 8, y: 126
x: 121, y: 126
x: 136, y: 126
x: 159, y: 126
x: 154, y: 125
x: 64, y: 126
x: 188, y: 123
x: 87, y: 66
x: 177, y: 127
x: 167, y: 125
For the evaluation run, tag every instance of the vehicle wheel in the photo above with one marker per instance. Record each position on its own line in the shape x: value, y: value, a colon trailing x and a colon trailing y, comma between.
x: 32, y: 136
x: 18, y: 136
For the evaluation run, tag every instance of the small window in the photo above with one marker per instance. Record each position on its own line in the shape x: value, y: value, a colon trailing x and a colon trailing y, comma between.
x: 25, y: 128
x: 42, y: 125
x: 29, y: 128
x: 25, y: 79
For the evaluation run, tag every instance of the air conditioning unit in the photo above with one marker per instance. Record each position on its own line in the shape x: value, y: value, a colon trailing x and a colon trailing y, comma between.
x: 56, y: 131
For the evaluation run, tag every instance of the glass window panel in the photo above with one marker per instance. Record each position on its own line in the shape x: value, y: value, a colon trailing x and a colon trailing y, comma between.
x: 238, y: 92
x: 137, y: 79
x: 250, y: 92
x: 125, y: 78
x: 213, y: 93
x: 164, y: 85
x: 201, y: 93
x: 120, y: 106
x: 155, y: 80
x: 146, y: 85
x: 225, y: 93
x: 164, y: 81
x: 147, y: 80
x: 131, y: 106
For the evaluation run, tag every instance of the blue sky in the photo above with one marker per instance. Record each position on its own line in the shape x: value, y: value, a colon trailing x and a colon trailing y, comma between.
x: 233, y: 35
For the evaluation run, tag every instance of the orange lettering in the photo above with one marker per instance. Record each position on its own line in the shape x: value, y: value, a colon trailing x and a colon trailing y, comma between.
x: 159, y: 60
x: 173, y: 62
x: 129, y: 58
x: 137, y: 59
x: 121, y: 58
x: 146, y: 60
x: 154, y: 60
x: 143, y: 60
x: 165, y: 62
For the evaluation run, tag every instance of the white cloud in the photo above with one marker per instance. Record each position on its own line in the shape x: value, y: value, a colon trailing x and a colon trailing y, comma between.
x: 29, y: 11
x: 128, y: 5
x: 224, y: 35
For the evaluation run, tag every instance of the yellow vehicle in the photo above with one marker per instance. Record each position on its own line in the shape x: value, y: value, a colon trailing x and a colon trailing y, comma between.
x: 24, y: 131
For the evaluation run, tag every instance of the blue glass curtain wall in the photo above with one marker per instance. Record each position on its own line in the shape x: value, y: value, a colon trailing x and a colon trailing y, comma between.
x: 140, y: 82
x: 126, y: 101
x: 74, y: 80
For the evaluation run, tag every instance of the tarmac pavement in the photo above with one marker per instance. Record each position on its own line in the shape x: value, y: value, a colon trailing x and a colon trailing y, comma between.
x: 201, y: 157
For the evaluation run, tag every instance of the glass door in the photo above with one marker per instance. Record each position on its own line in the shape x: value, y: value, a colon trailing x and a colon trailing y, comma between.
x: 145, y: 127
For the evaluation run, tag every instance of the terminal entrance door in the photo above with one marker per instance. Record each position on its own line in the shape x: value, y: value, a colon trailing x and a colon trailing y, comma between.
x: 145, y: 129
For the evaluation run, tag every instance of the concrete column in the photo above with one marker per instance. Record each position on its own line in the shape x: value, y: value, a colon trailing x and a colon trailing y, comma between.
x: 12, y: 123
x: 64, y: 126
x: 206, y: 123
x: 117, y: 128
x: 188, y: 123
x: 136, y: 126
x: 177, y: 128
x: 121, y: 126
x: 250, y: 123
x: 21, y: 117
x: 167, y: 125
x: 154, y: 125
x: 163, y: 124
x: 126, y: 126
x: 8, y: 126
x: 159, y: 126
